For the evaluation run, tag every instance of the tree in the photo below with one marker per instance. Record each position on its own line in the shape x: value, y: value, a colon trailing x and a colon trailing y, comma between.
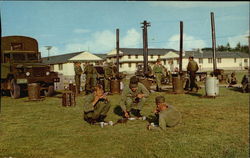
x: 228, y: 48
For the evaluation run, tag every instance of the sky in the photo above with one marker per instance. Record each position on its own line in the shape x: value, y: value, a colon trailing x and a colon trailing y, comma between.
x: 72, y: 26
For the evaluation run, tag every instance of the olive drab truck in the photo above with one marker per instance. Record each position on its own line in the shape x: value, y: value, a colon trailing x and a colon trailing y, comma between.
x: 21, y: 65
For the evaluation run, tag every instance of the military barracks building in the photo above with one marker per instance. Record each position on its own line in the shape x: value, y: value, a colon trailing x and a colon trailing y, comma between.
x: 130, y: 58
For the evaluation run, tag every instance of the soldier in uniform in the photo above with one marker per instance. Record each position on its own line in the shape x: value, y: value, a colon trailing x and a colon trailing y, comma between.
x: 245, y: 84
x: 192, y: 68
x: 94, y: 77
x: 78, y: 73
x: 108, y: 75
x: 89, y: 71
x: 96, y: 106
x: 232, y: 80
x: 133, y: 98
x: 158, y: 71
x: 167, y: 115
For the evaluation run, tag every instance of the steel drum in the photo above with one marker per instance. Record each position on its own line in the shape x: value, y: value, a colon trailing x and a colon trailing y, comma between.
x: 34, y: 91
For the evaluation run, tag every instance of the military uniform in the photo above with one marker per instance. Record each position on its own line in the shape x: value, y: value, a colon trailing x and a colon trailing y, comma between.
x: 168, y: 117
x: 95, y: 112
x: 78, y: 73
x: 108, y: 74
x: 158, y: 71
x: 245, y: 84
x: 192, y: 68
x: 232, y: 80
x: 91, y: 75
x: 129, y: 98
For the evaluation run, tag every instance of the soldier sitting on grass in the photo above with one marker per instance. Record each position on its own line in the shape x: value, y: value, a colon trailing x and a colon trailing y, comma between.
x: 96, y: 106
x: 166, y: 114
x: 232, y: 80
x: 133, y: 98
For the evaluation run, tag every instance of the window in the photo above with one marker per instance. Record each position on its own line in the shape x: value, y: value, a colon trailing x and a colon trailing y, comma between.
x: 60, y: 66
x: 200, y: 60
x: 235, y: 60
x: 159, y: 56
x: 32, y: 56
x: 245, y: 60
x: 177, y: 61
x: 164, y: 62
x: 129, y: 56
x: 6, y: 58
x: 152, y: 56
x: 120, y: 65
x: 219, y: 60
x: 129, y: 64
x: 136, y: 56
x: 18, y: 56
x: 51, y: 67
x: 210, y: 60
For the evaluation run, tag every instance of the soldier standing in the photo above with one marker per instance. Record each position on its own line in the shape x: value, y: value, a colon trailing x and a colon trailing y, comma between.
x: 88, y: 71
x: 94, y: 77
x: 96, y: 106
x: 108, y: 74
x: 192, y: 68
x: 167, y: 115
x: 78, y: 73
x: 158, y: 71
x: 133, y: 98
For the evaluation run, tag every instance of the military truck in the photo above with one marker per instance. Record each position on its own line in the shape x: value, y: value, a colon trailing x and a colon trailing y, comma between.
x: 21, y: 65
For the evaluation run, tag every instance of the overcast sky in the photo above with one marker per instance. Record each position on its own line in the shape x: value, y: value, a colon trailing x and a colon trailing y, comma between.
x: 90, y: 25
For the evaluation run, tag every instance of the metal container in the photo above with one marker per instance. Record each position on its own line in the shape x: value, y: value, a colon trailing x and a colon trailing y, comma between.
x: 212, y: 86
x: 72, y: 87
x: 34, y: 91
x: 68, y: 99
x: 177, y: 82
x: 146, y: 82
x: 115, y: 86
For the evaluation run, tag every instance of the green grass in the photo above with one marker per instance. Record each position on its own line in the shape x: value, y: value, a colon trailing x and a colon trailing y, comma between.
x: 210, y: 128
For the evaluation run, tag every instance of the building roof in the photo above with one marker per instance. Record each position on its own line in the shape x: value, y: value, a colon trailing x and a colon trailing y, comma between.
x: 64, y: 58
x: 85, y: 56
x: 209, y: 54
x: 139, y: 51
x: 59, y: 58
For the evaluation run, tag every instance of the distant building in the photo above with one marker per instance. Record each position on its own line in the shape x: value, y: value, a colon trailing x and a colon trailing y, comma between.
x: 64, y: 64
x: 131, y: 57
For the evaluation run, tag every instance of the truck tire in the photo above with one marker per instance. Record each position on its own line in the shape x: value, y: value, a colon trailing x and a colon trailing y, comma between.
x: 50, y: 91
x: 14, y: 89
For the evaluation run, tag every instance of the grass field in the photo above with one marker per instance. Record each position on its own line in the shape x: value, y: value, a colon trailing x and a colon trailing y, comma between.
x: 210, y: 128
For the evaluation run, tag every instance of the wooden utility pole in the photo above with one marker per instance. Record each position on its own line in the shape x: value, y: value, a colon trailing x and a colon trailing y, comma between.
x: 213, y: 41
x: 145, y: 46
x: 181, y: 47
x: 117, y: 50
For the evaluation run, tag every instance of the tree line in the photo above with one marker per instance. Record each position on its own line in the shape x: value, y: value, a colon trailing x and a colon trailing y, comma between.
x: 227, y: 47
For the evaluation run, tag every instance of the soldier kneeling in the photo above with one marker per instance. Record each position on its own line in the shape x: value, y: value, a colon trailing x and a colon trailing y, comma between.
x: 166, y: 114
x: 96, y: 106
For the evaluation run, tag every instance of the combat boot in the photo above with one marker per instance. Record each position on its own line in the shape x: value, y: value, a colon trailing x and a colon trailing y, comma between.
x: 101, y: 118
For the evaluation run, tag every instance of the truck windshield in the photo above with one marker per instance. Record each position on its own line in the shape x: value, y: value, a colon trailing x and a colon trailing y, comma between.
x: 18, y: 57
x: 32, y: 56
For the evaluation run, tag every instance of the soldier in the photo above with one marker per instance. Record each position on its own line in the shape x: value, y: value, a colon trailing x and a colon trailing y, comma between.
x: 133, y: 98
x: 108, y: 75
x: 96, y: 106
x: 94, y: 77
x: 192, y: 68
x: 167, y: 115
x: 158, y: 71
x: 78, y: 73
x: 89, y: 71
x: 245, y: 84
x: 232, y: 80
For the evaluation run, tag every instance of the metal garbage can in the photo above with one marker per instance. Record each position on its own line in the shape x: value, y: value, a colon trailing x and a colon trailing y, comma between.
x: 115, y: 86
x: 68, y: 98
x: 146, y: 82
x: 177, y: 84
x: 34, y: 91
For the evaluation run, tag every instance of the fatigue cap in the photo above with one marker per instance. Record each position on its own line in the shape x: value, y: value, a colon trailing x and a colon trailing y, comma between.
x: 133, y: 85
x: 159, y: 99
